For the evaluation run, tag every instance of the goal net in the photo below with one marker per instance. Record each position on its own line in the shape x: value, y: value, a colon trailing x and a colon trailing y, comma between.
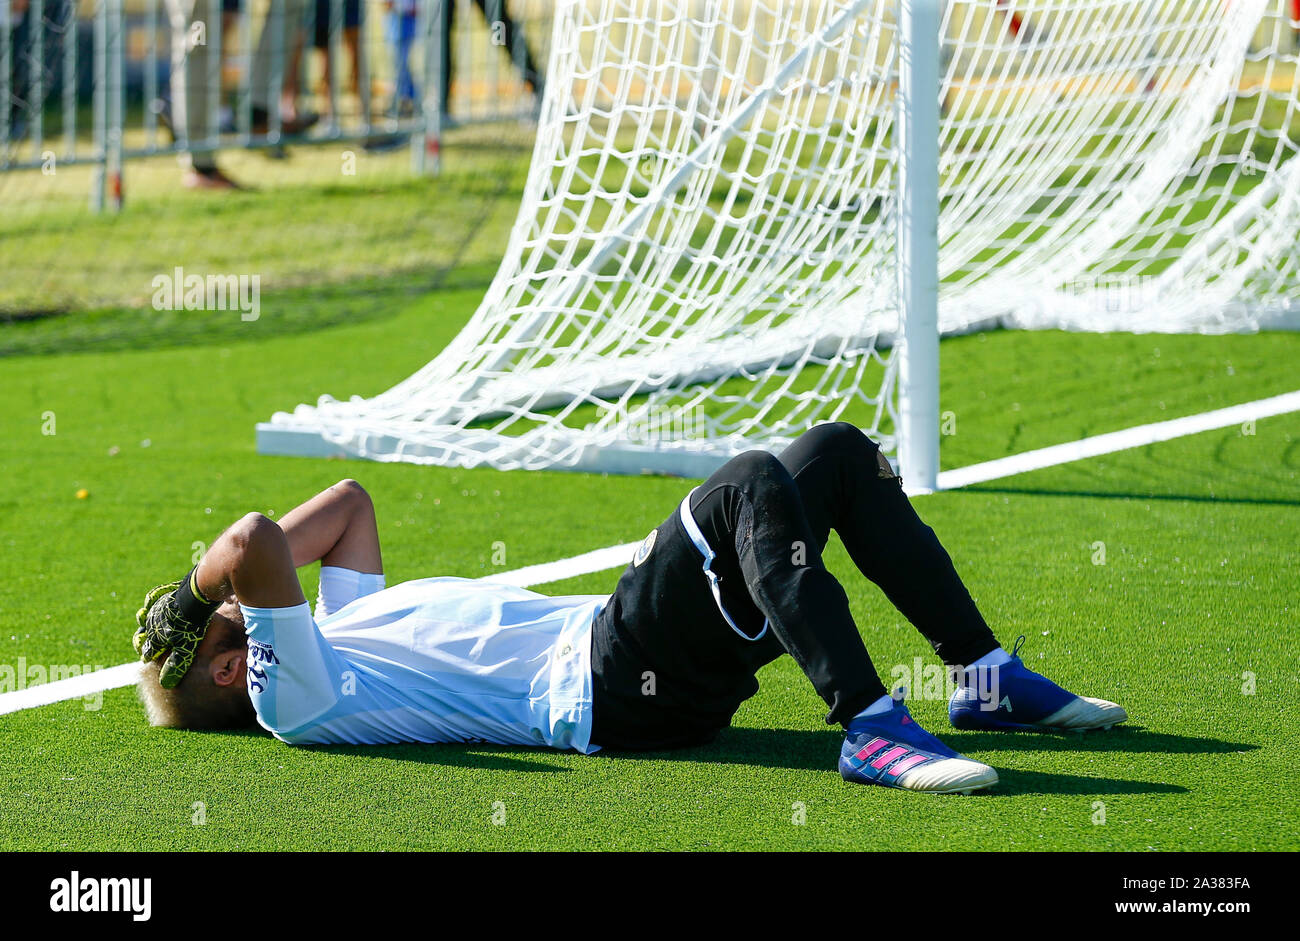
x: 706, y: 255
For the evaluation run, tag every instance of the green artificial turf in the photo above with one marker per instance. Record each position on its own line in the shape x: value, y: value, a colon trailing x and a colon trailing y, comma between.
x: 1163, y: 577
x: 306, y: 229
x: 1197, y: 590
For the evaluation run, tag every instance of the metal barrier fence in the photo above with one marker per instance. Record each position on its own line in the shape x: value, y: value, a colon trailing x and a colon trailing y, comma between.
x: 104, y: 82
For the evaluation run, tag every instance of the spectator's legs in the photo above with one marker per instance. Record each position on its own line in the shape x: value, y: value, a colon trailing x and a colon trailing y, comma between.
x: 406, y: 90
x: 530, y: 71
x: 293, y: 17
x: 352, y: 43
x: 448, y: 19
x: 351, y: 48
x: 190, y: 63
x: 20, y: 52
x: 292, y: 73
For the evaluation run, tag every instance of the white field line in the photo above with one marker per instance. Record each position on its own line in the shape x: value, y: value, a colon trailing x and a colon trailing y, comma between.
x: 596, y: 561
x: 612, y: 556
x: 1119, y: 441
x: 87, y: 684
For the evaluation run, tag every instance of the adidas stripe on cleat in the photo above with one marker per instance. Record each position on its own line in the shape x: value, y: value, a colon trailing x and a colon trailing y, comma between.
x: 1027, y: 701
x: 890, y: 749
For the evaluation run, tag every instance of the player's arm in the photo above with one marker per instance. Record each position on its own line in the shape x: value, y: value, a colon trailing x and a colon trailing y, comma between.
x: 256, y: 561
x: 250, y: 560
x: 335, y: 527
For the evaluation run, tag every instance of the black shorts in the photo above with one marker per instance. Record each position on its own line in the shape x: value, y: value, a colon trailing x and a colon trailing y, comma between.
x: 351, y: 19
x: 677, y: 646
x: 671, y: 663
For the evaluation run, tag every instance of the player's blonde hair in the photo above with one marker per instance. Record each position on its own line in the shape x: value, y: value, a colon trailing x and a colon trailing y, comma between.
x: 196, y: 702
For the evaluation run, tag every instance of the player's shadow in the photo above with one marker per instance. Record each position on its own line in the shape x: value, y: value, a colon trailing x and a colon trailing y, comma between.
x: 802, y: 750
x: 479, y: 756
x: 451, y: 755
x: 1019, y: 781
x: 1123, y: 738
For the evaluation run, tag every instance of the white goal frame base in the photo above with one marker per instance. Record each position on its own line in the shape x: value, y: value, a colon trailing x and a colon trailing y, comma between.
x: 698, y: 461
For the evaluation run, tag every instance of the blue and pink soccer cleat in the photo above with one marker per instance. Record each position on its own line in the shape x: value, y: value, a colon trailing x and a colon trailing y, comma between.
x: 892, y: 750
x: 1014, y: 698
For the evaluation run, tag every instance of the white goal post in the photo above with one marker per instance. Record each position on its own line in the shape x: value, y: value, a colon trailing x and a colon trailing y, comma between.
x: 746, y: 217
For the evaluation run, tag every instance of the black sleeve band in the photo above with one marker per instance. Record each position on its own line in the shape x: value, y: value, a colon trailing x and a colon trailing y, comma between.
x: 191, y: 606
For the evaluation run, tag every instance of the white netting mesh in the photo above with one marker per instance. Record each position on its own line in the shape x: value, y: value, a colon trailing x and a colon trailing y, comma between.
x: 1121, y: 165
x: 704, y: 259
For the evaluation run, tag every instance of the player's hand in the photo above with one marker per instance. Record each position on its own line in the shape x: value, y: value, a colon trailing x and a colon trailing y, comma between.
x: 162, y: 629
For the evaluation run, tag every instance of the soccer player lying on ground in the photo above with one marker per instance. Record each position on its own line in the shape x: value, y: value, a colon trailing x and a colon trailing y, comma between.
x: 730, y: 581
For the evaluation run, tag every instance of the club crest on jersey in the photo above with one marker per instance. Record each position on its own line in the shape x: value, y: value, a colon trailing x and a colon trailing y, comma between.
x: 643, y: 550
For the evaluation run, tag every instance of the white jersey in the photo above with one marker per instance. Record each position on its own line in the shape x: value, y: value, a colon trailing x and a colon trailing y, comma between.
x: 431, y: 660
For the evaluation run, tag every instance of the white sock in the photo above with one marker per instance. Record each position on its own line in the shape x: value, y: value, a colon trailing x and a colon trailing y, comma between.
x: 880, y: 706
x: 994, y: 658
